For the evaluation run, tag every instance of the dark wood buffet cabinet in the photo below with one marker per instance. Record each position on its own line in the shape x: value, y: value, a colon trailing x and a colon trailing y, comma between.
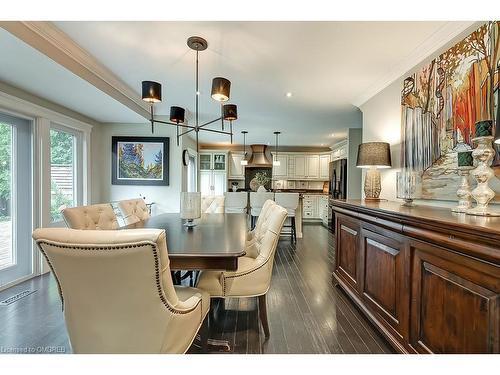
x: 429, y: 279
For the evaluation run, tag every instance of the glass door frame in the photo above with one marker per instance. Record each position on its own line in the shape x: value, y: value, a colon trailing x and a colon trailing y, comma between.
x: 13, y: 270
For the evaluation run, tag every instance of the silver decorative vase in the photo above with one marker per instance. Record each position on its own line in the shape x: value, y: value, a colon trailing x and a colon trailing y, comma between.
x: 463, y: 192
x: 483, y: 154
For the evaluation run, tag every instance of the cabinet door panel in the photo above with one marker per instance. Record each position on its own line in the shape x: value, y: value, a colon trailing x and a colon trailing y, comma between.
x: 219, y: 182
x: 455, y: 305
x: 324, y: 161
x: 383, y: 284
x: 312, y: 166
x: 206, y: 182
x: 347, y: 250
x: 236, y: 170
x: 300, y: 166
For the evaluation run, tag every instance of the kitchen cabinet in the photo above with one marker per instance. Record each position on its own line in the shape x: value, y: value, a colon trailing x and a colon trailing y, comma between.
x: 213, y: 182
x: 339, y: 152
x: 300, y: 166
x: 236, y: 170
x: 324, y: 161
x: 312, y: 166
x: 213, y: 173
x: 324, y: 210
x: 311, y: 206
x: 280, y: 171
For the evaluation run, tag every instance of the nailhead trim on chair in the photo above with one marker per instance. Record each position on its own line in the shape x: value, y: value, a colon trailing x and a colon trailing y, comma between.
x: 140, y: 244
x: 253, y: 270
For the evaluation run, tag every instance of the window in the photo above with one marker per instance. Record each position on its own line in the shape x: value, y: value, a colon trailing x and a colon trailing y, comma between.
x: 191, y: 185
x: 63, y: 184
x: 6, y: 256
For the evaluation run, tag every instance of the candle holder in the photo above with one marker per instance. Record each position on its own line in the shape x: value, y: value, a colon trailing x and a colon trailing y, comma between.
x: 483, y: 155
x: 406, y: 181
x: 464, y: 191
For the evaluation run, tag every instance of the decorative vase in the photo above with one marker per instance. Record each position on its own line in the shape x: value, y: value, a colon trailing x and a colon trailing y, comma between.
x: 463, y: 192
x: 482, y: 194
x: 235, y: 188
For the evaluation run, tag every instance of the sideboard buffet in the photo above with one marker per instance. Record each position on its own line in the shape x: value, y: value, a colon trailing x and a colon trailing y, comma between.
x: 429, y: 279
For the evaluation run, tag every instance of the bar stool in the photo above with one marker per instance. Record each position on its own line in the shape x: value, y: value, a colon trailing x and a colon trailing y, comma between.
x: 256, y: 202
x: 290, y: 201
x: 236, y: 202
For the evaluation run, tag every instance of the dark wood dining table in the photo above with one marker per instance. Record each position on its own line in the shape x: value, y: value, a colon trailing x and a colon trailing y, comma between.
x: 215, y: 243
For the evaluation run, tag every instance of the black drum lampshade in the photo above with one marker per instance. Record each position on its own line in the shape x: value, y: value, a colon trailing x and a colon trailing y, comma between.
x: 220, y: 89
x: 151, y: 91
x: 177, y: 114
x: 230, y: 112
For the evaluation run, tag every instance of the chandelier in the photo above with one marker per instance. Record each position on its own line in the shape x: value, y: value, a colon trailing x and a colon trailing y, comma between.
x: 221, y: 87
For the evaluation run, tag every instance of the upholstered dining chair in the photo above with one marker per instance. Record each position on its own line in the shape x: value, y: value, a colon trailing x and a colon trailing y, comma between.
x: 264, y: 214
x: 116, y: 291
x: 253, y: 276
x: 212, y: 204
x: 133, y: 210
x: 290, y: 201
x: 235, y: 202
x: 256, y: 203
x: 93, y: 217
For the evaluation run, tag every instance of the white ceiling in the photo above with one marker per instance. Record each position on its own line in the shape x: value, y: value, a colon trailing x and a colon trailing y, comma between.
x: 26, y: 68
x: 326, y: 65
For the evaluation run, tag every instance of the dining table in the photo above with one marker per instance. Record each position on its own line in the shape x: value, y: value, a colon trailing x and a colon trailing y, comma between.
x: 215, y: 242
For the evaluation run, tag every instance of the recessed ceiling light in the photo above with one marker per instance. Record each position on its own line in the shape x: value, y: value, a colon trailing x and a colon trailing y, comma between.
x: 322, y: 144
x: 332, y: 135
x: 288, y: 94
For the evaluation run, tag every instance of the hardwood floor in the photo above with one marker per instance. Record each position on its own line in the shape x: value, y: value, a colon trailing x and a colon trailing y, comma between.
x: 307, y: 314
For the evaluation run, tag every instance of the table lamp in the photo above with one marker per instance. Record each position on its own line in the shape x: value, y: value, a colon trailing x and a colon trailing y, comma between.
x: 373, y: 156
x: 190, y: 207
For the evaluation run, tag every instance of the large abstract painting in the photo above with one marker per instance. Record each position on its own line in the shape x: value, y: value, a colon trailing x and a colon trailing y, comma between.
x: 140, y: 160
x: 441, y: 102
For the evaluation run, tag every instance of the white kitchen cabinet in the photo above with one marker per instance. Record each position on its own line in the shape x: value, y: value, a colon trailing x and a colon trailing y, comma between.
x: 324, y: 210
x: 213, y: 173
x: 324, y: 161
x: 236, y: 170
x: 280, y: 171
x: 300, y: 166
x: 213, y: 182
x: 310, y: 206
x: 312, y: 166
x: 339, y: 152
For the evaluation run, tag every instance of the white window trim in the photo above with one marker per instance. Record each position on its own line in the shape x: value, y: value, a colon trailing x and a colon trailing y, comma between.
x: 42, y: 119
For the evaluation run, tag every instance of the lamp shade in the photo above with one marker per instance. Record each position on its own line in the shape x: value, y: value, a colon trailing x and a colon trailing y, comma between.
x: 151, y: 91
x: 230, y: 112
x: 374, y: 155
x: 221, y: 88
x: 177, y: 114
x: 190, y: 205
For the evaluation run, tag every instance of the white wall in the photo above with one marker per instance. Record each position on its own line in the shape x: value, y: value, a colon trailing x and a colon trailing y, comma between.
x: 166, y: 198
x: 382, y: 122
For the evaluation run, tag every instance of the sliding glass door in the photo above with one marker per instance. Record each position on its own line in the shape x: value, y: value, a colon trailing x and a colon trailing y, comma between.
x: 16, y: 223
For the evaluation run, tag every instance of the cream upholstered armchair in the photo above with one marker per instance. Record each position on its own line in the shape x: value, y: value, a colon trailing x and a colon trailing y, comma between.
x: 133, y: 210
x: 117, y: 293
x: 94, y: 217
x: 253, y: 276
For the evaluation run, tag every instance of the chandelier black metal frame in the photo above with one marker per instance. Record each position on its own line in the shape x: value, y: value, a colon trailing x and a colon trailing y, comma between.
x: 221, y: 87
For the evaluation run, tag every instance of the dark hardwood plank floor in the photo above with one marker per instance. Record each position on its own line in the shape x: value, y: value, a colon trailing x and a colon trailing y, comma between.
x: 307, y: 314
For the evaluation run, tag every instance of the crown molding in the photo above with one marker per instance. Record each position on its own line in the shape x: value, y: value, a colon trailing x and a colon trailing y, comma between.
x: 52, y: 42
x: 442, y: 37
